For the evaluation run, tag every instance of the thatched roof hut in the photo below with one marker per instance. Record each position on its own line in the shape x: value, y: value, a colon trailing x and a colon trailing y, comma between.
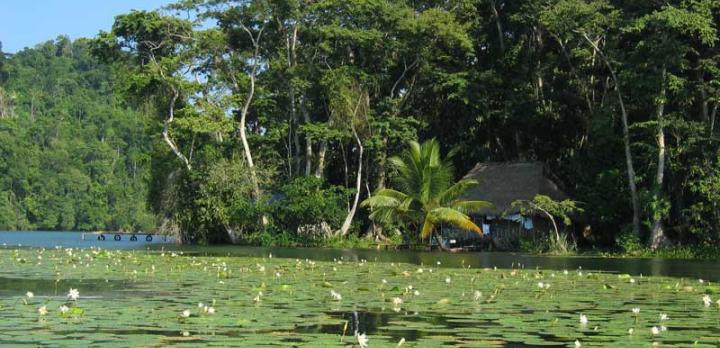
x: 502, y: 183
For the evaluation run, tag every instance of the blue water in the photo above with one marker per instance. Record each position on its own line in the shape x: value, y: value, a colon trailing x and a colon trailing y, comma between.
x: 51, y: 239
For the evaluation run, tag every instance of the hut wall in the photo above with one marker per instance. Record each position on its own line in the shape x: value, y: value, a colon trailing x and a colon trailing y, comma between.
x: 506, y: 234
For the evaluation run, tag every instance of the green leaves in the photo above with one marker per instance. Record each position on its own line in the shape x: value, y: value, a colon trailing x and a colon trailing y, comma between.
x: 426, y: 193
x: 436, y: 306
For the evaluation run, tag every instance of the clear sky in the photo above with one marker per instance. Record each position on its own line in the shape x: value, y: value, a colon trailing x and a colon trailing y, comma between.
x: 25, y: 23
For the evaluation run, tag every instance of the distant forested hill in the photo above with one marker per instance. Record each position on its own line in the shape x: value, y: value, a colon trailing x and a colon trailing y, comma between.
x: 72, y: 157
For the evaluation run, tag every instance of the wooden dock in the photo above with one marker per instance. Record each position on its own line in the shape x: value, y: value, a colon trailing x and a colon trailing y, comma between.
x: 118, y: 236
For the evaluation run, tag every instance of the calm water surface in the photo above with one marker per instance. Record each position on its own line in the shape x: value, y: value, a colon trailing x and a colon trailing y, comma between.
x: 50, y: 239
x: 704, y: 269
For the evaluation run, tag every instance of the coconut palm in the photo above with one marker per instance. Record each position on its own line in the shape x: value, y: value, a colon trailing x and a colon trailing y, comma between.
x: 426, y: 192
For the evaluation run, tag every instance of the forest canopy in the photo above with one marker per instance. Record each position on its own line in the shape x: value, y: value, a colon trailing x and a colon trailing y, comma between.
x: 72, y: 156
x: 268, y: 121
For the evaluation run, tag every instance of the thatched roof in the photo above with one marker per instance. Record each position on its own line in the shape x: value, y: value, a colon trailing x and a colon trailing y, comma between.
x: 502, y: 183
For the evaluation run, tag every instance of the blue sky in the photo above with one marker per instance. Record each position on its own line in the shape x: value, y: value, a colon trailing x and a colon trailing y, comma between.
x: 25, y: 23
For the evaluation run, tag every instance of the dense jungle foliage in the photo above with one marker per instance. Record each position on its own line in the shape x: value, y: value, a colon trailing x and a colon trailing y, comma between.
x: 72, y: 156
x: 269, y: 121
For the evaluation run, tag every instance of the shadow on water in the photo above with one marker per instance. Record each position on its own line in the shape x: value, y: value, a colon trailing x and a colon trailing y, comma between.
x: 704, y: 269
x: 656, y: 267
x: 10, y: 286
x: 381, y: 323
x: 375, y: 323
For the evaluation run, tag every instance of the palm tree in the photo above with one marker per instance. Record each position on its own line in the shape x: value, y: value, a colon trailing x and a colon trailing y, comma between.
x: 425, y: 192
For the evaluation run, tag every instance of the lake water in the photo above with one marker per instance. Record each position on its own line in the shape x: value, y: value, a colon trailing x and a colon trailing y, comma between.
x: 702, y: 269
x: 50, y: 239
x: 130, y: 298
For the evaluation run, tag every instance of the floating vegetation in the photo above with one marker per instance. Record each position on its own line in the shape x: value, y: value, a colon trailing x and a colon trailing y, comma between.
x: 85, y: 297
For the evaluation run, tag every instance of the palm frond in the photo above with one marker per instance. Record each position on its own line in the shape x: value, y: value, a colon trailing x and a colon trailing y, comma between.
x: 468, y: 207
x: 442, y: 179
x: 385, y: 216
x: 427, y: 228
x: 425, y: 192
x: 387, y: 192
x: 453, y: 217
x: 380, y: 201
x: 415, y: 153
x: 431, y: 152
x: 456, y: 190
x: 407, y: 169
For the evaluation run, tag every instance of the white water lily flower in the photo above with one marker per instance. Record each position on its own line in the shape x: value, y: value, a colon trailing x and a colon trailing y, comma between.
x: 578, y: 344
x: 448, y: 280
x: 632, y: 280
x: 384, y: 281
x: 664, y: 317
x: 201, y: 305
x: 663, y: 328
x: 655, y: 330
x: 636, y: 310
x: 416, y: 293
x: 64, y: 309
x: 583, y: 319
x: 707, y: 300
x: 73, y: 294
x: 210, y: 310
x: 186, y: 333
x: 43, y: 310
x: 335, y: 295
x: 631, y: 331
x: 186, y: 313
x: 397, y: 301
x: 477, y: 295
x: 258, y: 297
x: 29, y: 295
x: 362, y: 340
x: 541, y: 285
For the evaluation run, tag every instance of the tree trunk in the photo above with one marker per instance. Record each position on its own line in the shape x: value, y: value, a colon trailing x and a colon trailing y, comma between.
x: 166, y: 130
x: 657, y: 236
x: 293, y: 139
x: 626, y: 140
x: 243, y: 119
x: 498, y: 24
x: 358, y: 185
x: 712, y: 117
x: 376, y: 230
x: 308, y: 139
x: 703, y: 98
x: 320, y: 169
